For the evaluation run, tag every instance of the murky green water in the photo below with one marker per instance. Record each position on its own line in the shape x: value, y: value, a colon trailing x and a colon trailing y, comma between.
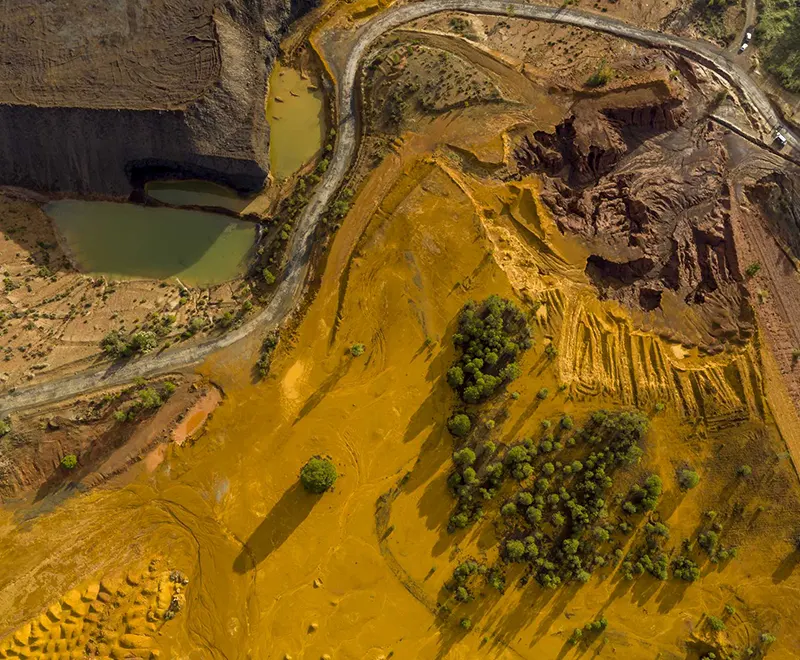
x: 296, y: 119
x: 125, y: 240
x: 196, y: 193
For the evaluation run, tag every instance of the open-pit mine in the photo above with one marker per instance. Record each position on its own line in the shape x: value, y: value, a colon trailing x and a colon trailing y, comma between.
x: 434, y: 329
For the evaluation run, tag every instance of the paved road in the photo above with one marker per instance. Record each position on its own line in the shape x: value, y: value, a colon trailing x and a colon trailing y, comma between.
x: 290, y: 288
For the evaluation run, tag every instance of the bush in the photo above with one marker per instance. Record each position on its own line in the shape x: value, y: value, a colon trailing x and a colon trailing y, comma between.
x: 466, y: 624
x: 688, y: 479
x: 744, y: 471
x: 357, y: 350
x: 269, y: 278
x: 143, y: 341
x: 5, y: 428
x: 114, y: 345
x: 318, y: 475
x: 150, y: 398
x: 716, y: 623
x: 542, y: 394
x: 70, y: 461
x: 685, y: 569
x: 752, y: 269
x: 459, y: 425
x: 601, y: 76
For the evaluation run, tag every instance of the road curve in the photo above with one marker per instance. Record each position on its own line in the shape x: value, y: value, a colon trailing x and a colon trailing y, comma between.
x: 290, y: 288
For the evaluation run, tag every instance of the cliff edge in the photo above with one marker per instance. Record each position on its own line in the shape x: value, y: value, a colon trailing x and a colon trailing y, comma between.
x: 96, y: 97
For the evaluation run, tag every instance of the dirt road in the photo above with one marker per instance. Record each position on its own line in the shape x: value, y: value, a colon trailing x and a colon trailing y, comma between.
x: 290, y: 288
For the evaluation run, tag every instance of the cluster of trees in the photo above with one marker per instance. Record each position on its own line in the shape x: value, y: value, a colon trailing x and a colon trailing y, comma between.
x: 117, y: 346
x: 491, y: 336
x: 268, y: 347
x: 557, y: 521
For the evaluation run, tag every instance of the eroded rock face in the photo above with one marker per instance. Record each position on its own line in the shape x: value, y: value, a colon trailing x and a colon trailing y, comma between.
x: 95, y: 96
x: 652, y: 201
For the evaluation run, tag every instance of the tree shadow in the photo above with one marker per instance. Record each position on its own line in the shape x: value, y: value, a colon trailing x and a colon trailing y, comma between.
x: 284, y: 518
x: 324, y: 389
x: 786, y: 567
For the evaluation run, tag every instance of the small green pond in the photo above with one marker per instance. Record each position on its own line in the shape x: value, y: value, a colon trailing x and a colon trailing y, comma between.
x: 296, y: 119
x: 129, y: 241
x: 196, y: 193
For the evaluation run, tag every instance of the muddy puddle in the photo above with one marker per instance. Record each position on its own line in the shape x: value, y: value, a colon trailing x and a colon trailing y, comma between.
x: 129, y: 241
x: 297, y: 121
x: 196, y: 193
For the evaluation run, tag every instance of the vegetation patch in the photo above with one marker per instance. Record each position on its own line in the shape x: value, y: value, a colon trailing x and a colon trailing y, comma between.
x: 778, y: 35
x: 491, y: 335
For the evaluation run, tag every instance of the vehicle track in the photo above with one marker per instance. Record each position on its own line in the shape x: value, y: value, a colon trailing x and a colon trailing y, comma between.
x: 290, y: 288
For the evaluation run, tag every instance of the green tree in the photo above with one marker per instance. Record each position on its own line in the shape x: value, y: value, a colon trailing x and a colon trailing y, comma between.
x: 688, y: 479
x: 70, y: 461
x: 318, y: 475
x: 459, y: 425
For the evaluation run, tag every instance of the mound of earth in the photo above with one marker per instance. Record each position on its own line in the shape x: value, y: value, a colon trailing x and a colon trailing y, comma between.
x: 96, y: 96
x: 647, y: 189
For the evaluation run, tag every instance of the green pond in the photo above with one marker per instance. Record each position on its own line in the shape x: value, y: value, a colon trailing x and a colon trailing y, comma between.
x: 297, y: 121
x: 196, y: 193
x: 129, y: 241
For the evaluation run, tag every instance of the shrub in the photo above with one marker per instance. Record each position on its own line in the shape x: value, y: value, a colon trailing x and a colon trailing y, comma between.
x: 688, y: 479
x: 744, y: 471
x: 768, y: 638
x: 356, y: 350
x: 149, y: 398
x: 70, y: 461
x: 318, y: 475
x: 120, y: 415
x: 550, y: 351
x: 542, y: 394
x: 169, y: 388
x: 601, y: 76
x: 752, y: 269
x: 143, y: 341
x: 459, y: 425
x: 567, y: 423
x: 466, y: 624
x: 5, y: 428
x: 716, y: 623
x: 114, y: 345
x: 269, y: 278
x: 685, y: 569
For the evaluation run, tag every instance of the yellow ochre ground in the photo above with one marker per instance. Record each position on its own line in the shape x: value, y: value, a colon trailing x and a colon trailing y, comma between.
x: 344, y: 576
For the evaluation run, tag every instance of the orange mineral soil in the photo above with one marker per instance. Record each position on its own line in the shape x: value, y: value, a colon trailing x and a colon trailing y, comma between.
x: 275, y: 572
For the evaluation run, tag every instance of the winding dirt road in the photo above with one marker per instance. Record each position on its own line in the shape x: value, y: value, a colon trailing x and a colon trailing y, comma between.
x: 290, y: 288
